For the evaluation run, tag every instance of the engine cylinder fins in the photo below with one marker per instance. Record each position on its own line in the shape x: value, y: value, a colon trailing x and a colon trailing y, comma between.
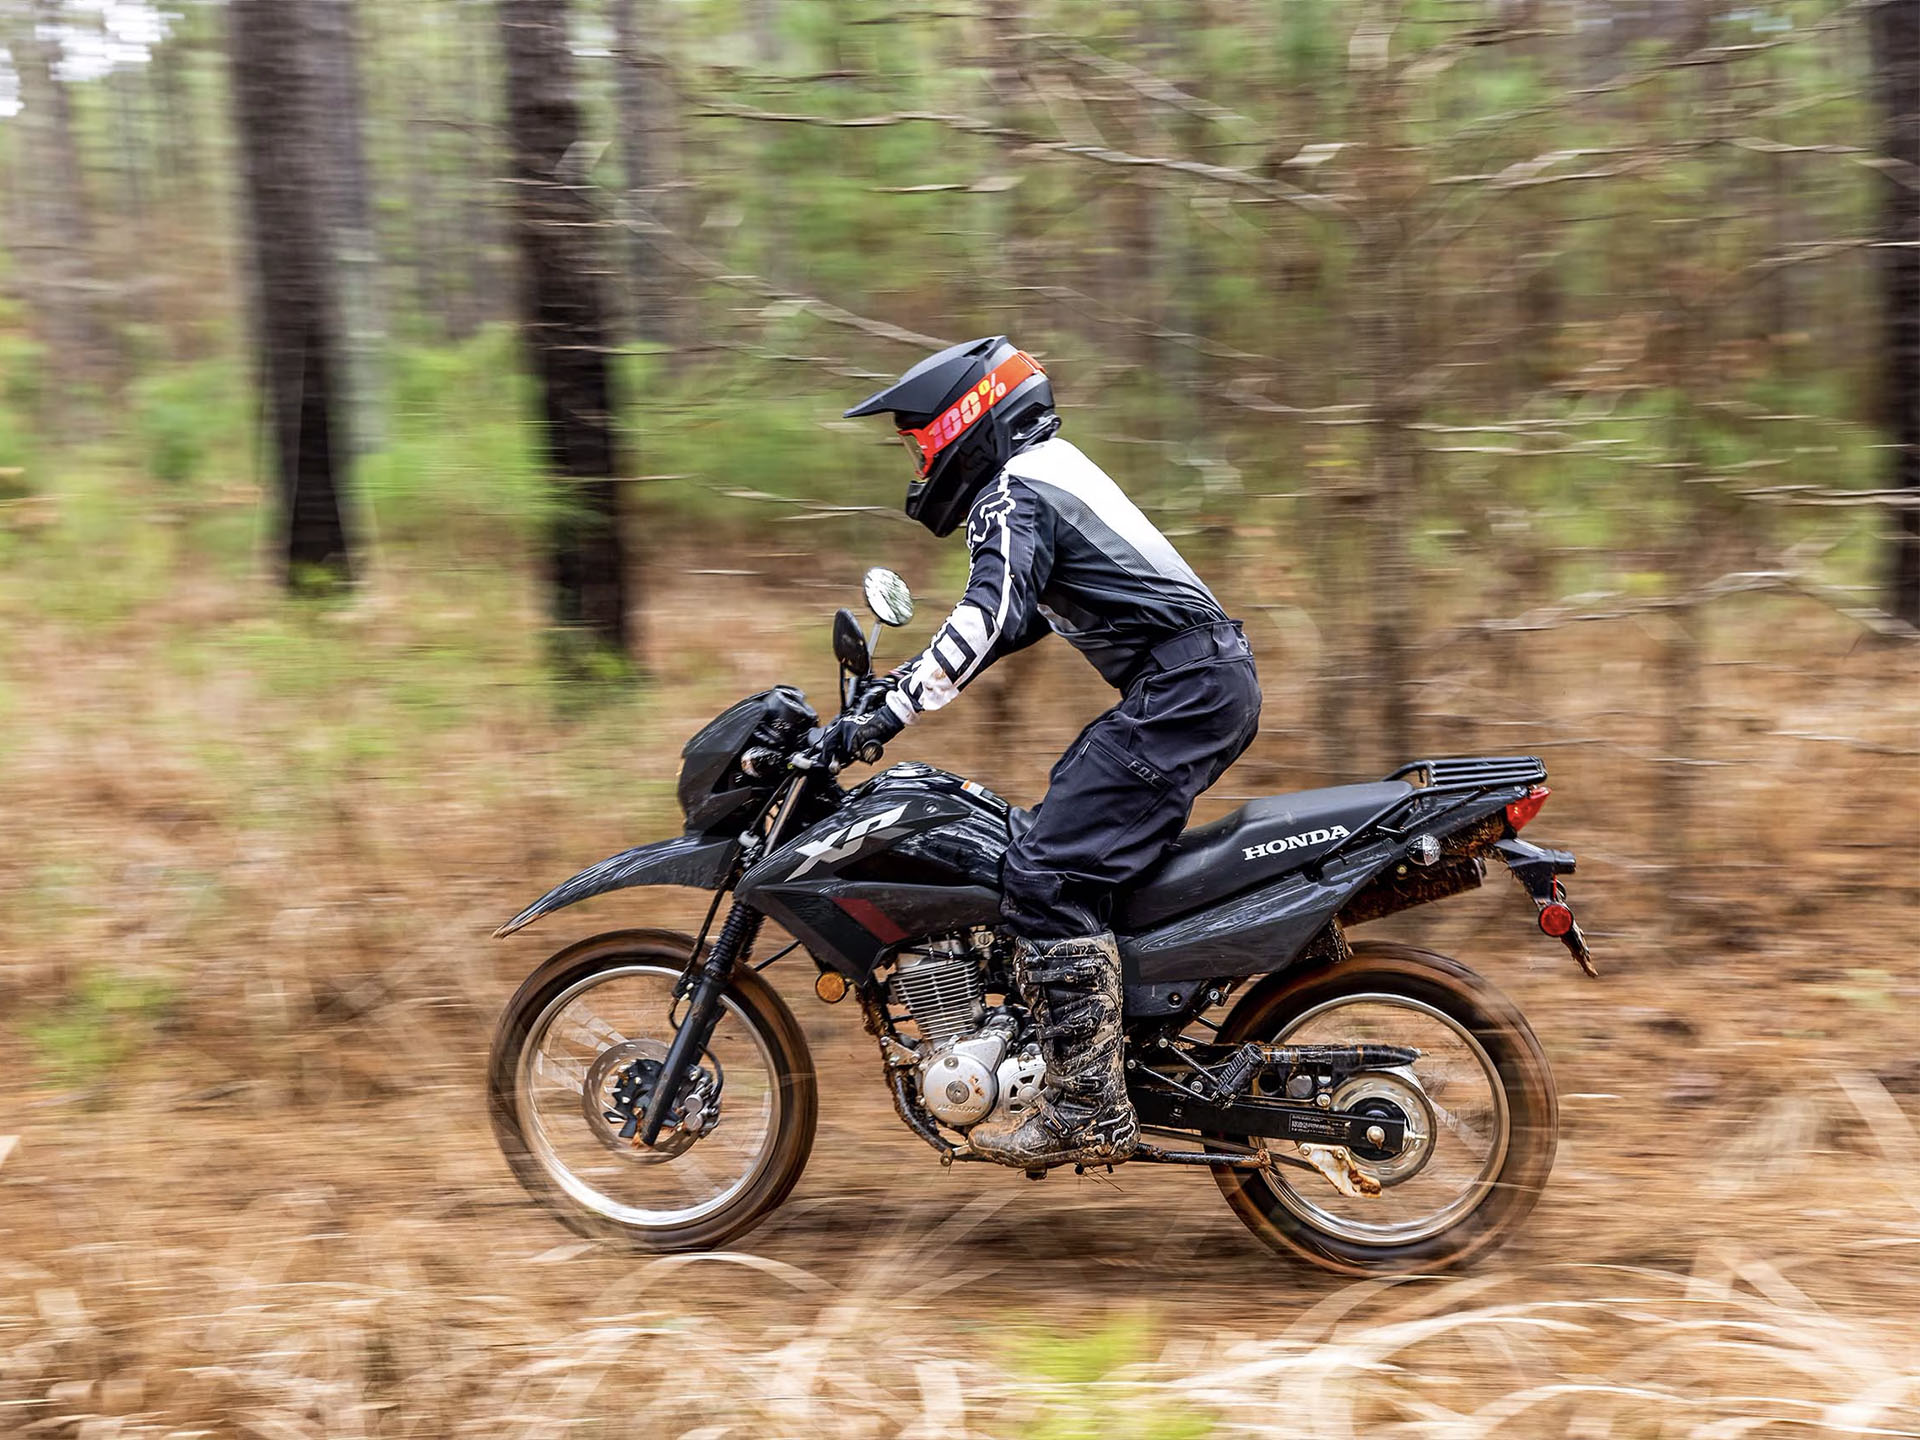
x: 943, y: 990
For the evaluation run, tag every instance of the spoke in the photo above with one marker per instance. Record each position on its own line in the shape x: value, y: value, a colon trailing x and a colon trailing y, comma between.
x: 622, y: 1010
x: 566, y: 1076
x: 585, y: 1028
x: 1477, y: 1144
x: 686, y: 1170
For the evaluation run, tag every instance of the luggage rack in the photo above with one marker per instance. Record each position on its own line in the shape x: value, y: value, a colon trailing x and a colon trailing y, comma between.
x: 1473, y: 772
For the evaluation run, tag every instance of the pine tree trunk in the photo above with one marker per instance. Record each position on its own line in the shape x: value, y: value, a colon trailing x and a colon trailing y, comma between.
x: 564, y: 317
x: 349, y: 215
x: 1895, y: 26
x: 1387, y: 335
x: 278, y: 97
x: 642, y: 96
x: 477, y: 290
x: 61, y: 273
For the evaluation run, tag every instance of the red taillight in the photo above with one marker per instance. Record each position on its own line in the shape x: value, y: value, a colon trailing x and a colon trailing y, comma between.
x: 1556, y: 919
x: 1521, y: 811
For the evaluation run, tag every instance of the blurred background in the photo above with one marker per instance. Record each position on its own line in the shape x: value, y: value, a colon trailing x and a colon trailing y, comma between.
x: 416, y: 420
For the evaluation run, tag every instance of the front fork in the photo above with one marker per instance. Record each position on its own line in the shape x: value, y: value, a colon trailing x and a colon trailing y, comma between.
x: 705, y: 981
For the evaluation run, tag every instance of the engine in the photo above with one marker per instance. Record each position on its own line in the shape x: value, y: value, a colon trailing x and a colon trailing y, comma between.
x: 969, y: 1063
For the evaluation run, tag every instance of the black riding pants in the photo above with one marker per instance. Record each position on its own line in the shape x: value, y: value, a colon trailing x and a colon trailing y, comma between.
x: 1122, y: 792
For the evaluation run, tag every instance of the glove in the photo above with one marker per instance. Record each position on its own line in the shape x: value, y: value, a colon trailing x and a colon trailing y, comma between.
x: 857, y: 737
x: 874, y: 691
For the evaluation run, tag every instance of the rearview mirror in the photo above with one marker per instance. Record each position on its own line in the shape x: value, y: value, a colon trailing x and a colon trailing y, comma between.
x: 849, y: 645
x: 887, y: 596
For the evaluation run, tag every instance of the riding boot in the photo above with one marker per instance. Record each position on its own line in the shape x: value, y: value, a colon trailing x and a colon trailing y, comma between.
x: 1083, y: 1115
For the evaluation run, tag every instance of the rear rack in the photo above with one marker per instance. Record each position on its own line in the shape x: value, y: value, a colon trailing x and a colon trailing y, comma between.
x: 1474, y: 772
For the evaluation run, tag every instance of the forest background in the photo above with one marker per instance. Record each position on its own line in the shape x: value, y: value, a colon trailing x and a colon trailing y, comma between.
x: 416, y: 419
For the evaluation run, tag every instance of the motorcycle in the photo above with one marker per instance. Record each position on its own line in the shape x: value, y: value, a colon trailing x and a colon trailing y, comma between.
x: 1370, y: 1108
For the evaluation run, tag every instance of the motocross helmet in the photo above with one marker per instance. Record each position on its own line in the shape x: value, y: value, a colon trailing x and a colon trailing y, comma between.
x: 963, y: 414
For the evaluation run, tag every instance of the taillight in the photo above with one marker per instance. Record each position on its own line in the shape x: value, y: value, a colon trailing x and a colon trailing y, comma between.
x: 1556, y: 919
x: 1521, y: 811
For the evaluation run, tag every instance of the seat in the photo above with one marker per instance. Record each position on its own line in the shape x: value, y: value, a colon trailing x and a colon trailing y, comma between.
x: 1261, y: 841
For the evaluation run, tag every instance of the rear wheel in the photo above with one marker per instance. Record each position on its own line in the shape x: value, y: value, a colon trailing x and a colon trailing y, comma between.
x: 576, y: 1058
x: 1478, y: 1105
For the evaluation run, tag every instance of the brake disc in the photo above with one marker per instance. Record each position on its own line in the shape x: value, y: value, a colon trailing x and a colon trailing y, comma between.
x: 619, y: 1086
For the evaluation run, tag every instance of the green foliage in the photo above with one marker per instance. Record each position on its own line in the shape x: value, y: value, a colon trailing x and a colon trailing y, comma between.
x: 20, y: 369
x: 461, y: 466
x: 187, y: 417
x: 1075, y: 1376
x: 104, y: 1021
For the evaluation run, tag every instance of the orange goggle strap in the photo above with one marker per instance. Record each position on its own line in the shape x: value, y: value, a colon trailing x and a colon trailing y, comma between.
x: 930, y: 439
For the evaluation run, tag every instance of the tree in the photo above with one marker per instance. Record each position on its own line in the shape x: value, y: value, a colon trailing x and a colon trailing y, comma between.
x: 1895, y: 26
x: 279, y: 97
x: 57, y: 227
x: 353, y: 258
x: 643, y: 98
x: 563, y: 316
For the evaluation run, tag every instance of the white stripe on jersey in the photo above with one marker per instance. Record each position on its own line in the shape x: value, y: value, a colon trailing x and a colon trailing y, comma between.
x: 961, y: 646
x: 1060, y: 464
x: 999, y: 511
x: 936, y: 675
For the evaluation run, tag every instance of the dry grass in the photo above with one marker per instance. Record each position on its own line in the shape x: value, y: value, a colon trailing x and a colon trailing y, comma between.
x: 245, y: 991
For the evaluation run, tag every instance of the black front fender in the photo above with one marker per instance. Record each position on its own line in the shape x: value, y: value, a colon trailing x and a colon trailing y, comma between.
x: 701, y: 861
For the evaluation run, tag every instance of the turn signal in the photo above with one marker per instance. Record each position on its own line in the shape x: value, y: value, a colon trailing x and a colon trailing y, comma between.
x: 831, y: 986
x: 1556, y: 919
x: 1521, y: 811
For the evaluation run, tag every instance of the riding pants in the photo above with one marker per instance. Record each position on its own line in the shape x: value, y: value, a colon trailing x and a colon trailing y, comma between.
x: 1122, y: 792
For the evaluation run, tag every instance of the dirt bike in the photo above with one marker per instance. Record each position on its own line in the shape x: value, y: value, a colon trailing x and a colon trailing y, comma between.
x: 1371, y: 1108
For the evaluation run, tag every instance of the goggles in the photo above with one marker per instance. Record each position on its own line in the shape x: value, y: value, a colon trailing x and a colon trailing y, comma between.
x: 926, y: 442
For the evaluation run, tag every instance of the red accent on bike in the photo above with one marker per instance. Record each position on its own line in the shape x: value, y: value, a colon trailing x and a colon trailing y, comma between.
x: 871, y: 918
x: 1556, y: 919
x: 1521, y: 811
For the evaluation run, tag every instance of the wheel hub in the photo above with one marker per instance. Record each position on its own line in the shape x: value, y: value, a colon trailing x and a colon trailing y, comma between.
x: 1396, y: 1097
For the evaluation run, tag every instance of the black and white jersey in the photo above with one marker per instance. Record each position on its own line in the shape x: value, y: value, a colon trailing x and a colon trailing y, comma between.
x: 1057, y: 546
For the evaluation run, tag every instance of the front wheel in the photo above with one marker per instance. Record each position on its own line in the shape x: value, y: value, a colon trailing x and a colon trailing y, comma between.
x: 574, y: 1061
x: 1479, y: 1107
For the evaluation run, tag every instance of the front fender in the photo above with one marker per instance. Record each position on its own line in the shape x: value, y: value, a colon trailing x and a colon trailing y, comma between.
x: 700, y: 861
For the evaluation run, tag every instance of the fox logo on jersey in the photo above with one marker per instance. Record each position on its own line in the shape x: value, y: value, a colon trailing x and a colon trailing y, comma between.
x: 990, y: 512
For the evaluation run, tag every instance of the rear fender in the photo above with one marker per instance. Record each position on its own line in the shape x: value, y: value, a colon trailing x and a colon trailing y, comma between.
x: 1538, y: 870
x: 702, y: 862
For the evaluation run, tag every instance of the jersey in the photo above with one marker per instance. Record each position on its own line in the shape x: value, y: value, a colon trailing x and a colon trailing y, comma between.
x: 1057, y: 546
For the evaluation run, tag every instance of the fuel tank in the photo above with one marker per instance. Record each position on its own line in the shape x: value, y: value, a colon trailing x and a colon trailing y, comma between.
x: 913, y: 852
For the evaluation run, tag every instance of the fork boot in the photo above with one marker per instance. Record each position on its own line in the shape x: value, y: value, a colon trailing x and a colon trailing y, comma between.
x: 1083, y: 1115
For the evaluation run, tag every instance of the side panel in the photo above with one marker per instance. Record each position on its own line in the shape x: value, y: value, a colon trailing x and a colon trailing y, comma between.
x: 701, y: 861
x: 1261, y: 930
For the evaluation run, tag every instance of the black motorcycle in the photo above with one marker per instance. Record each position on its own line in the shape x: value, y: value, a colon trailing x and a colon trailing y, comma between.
x: 1372, y: 1108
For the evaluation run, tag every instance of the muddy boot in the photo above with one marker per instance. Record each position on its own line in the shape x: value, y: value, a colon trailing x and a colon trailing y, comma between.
x: 1083, y: 1115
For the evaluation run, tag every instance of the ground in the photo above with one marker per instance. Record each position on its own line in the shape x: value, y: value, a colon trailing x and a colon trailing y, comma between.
x: 246, y: 990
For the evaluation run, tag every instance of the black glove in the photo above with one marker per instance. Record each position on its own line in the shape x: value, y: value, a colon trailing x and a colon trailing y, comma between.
x: 857, y: 737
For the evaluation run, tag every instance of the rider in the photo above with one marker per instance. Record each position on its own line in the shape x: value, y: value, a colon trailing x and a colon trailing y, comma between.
x: 1056, y: 545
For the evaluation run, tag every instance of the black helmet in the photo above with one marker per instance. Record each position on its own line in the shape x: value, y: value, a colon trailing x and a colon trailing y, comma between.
x: 964, y: 413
